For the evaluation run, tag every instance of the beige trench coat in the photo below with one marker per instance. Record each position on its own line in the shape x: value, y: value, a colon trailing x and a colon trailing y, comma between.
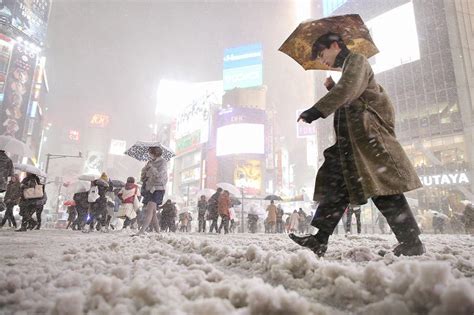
x: 372, y: 160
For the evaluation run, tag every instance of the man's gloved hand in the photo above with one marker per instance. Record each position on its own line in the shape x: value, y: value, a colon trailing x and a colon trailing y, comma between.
x: 310, y: 115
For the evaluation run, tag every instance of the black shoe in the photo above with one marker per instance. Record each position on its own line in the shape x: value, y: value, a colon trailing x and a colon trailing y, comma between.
x: 21, y: 230
x: 311, y: 242
x: 33, y: 225
x: 413, y: 248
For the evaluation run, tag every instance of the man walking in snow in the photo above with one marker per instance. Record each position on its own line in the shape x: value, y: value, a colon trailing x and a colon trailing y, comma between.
x: 367, y: 161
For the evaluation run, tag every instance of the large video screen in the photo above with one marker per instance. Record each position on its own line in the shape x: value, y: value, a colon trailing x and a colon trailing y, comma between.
x: 242, y: 138
x: 394, y: 33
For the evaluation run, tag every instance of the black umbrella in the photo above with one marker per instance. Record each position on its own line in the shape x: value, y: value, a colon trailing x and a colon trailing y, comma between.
x: 117, y: 183
x: 235, y: 201
x: 273, y: 197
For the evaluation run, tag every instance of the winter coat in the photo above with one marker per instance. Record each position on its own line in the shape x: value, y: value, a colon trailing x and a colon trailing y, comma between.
x: 127, y: 194
x: 169, y: 212
x: 6, y: 170
x: 272, y: 214
x: 294, y: 221
x: 81, y: 200
x: 202, y: 207
x: 366, y: 151
x: 29, y: 181
x: 223, y: 205
x: 155, y: 175
x: 280, y: 214
x: 13, y: 194
x: 213, y: 207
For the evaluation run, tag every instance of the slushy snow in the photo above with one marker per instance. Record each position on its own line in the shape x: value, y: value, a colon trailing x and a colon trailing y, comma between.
x: 67, y: 272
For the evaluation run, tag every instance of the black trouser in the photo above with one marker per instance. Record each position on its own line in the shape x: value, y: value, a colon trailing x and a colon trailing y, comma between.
x: 213, y: 225
x: 80, y: 219
x: 279, y: 226
x: 202, y: 223
x: 9, y: 215
x: 39, y: 211
x: 394, y: 208
x: 349, y: 220
x: 224, y: 223
x: 27, y: 216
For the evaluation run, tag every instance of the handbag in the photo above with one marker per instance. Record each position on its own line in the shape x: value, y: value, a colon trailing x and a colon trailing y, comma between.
x: 93, y: 194
x: 136, y: 203
x: 33, y: 192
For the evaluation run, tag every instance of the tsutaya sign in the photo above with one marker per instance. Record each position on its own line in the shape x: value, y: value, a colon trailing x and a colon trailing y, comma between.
x: 445, y: 179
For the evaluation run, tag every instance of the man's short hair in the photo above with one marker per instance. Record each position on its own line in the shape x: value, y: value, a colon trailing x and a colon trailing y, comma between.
x: 325, y: 42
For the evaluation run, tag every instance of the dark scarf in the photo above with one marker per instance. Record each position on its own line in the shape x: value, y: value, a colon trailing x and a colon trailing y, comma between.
x: 341, y: 57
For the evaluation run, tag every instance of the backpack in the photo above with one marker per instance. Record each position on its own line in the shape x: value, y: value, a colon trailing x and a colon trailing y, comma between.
x: 93, y: 194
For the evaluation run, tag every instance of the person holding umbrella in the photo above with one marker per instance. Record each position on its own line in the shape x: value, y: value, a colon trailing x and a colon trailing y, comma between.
x: 154, y: 177
x: 367, y: 161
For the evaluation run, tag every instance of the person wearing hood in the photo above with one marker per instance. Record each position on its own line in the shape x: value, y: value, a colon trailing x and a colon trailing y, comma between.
x: 272, y: 216
x: 12, y: 198
x: 223, y: 206
x: 213, y: 213
x: 168, y: 216
x: 128, y: 196
x: 367, y: 161
x: 98, y: 208
x: 202, y: 208
x: 82, y: 207
x: 28, y: 201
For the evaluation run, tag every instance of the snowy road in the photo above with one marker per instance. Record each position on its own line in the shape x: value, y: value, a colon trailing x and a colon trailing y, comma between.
x: 67, y: 272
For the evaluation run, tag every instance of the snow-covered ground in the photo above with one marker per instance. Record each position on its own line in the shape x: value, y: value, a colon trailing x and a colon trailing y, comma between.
x: 68, y: 272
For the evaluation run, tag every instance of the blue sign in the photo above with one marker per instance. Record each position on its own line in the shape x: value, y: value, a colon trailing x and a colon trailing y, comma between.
x: 329, y: 6
x: 243, y: 67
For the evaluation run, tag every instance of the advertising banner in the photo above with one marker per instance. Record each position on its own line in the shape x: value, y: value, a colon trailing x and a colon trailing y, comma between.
x: 195, y: 114
x: 6, y: 45
x: 248, y: 174
x: 243, y: 67
x: 94, y: 163
x: 117, y: 147
x: 28, y: 16
x: 188, y: 143
x: 240, y: 131
x: 17, y: 90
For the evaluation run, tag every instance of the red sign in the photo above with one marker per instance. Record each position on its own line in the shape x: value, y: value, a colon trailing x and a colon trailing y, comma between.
x: 74, y: 135
x: 100, y: 120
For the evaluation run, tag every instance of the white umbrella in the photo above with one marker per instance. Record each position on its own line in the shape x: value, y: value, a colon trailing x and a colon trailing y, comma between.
x: 231, y: 189
x: 29, y: 169
x: 88, y: 177
x: 208, y: 192
x: 14, y: 146
x: 79, y: 186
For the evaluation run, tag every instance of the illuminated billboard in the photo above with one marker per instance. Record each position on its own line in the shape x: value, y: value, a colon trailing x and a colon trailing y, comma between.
x: 396, y: 40
x: 248, y: 175
x: 99, y: 120
x: 117, y: 147
x: 194, y: 115
x: 240, y: 131
x: 30, y: 17
x: 243, y: 67
x: 329, y: 6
